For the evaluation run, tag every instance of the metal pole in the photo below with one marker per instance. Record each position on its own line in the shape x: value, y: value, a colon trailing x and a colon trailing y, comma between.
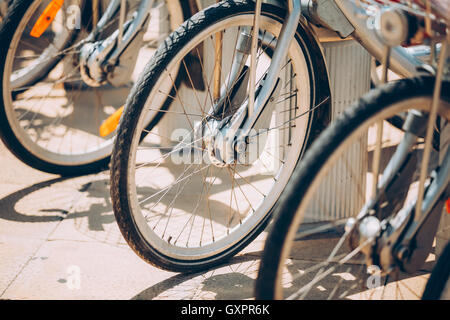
x: 430, y: 127
x: 379, y: 127
x: 218, y: 65
x: 218, y: 52
x: 254, y: 51
x: 95, y: 12
x: 123, y: 6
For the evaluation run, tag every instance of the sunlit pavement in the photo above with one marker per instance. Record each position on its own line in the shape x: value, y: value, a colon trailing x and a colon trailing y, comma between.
x: 59, y: 240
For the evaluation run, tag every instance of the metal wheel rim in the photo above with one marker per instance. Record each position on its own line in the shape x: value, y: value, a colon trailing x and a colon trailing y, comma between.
x: 421, y: 103
x: 176, y: 252
x: 71, y: 159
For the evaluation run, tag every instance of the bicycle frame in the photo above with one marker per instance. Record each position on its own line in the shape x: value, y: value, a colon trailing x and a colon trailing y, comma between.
x: 420, y: 222
x: 101, y: 56
x: 411, y: 223
x: 402, y: 61
x: 350, y: 19
x: 407, y: 236
x: 342, y: 16
x: 126, y: 36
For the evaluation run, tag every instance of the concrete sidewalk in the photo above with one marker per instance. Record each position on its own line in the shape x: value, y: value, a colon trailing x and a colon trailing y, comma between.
x: 59, y: 240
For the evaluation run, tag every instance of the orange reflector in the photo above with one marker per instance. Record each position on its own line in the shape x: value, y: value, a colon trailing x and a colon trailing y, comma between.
x: 447, y: 205
x: 110, y: 124
x: 46, y: 18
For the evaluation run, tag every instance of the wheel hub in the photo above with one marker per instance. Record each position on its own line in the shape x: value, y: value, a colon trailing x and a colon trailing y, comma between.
x: 91, y: 71
x: 218, y: 142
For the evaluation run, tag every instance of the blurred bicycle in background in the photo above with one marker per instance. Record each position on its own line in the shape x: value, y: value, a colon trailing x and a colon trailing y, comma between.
x: 66, y: 70
x: 388, y: 185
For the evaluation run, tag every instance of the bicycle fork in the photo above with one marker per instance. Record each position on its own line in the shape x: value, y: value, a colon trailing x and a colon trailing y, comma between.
x: 237, y: 127
x: 350, y: 21
x: 113, y: 59
x: 404, y: 239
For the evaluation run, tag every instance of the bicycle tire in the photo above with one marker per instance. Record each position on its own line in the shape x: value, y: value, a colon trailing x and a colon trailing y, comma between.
x: 438, y: 285
x: 13, y: 134
x: 139, y: 95
x: 288, y: 216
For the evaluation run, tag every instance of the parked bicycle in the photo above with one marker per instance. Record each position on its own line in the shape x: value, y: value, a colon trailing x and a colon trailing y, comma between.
x: 196, y: 180
x: 362, y: 212
x: 66, y: 68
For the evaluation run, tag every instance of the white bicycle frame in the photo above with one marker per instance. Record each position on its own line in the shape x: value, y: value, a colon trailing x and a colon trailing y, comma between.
x: 342, y: 16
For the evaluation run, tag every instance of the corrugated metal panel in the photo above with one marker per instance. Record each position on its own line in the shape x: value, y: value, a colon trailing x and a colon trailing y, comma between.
x: 341, y: 194
x: 349, y: 70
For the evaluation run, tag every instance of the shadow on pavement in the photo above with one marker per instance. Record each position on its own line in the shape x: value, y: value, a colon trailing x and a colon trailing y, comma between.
x: 84, y: 200
x: 231, y: 281
x: 8, y: 203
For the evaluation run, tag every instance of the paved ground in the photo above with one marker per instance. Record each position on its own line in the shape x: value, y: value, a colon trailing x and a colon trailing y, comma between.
x: 59, y: 240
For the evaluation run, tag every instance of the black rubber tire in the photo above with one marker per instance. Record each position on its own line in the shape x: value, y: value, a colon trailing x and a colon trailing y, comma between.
x: 136, y: 101
x: 439, y: 278
x: 304, y: 175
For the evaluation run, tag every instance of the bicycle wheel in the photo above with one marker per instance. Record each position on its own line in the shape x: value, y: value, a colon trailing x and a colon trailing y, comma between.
x: 313, y: 250
x: 438, y: 286
x: 49, y: 116
x: 177, y: 210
